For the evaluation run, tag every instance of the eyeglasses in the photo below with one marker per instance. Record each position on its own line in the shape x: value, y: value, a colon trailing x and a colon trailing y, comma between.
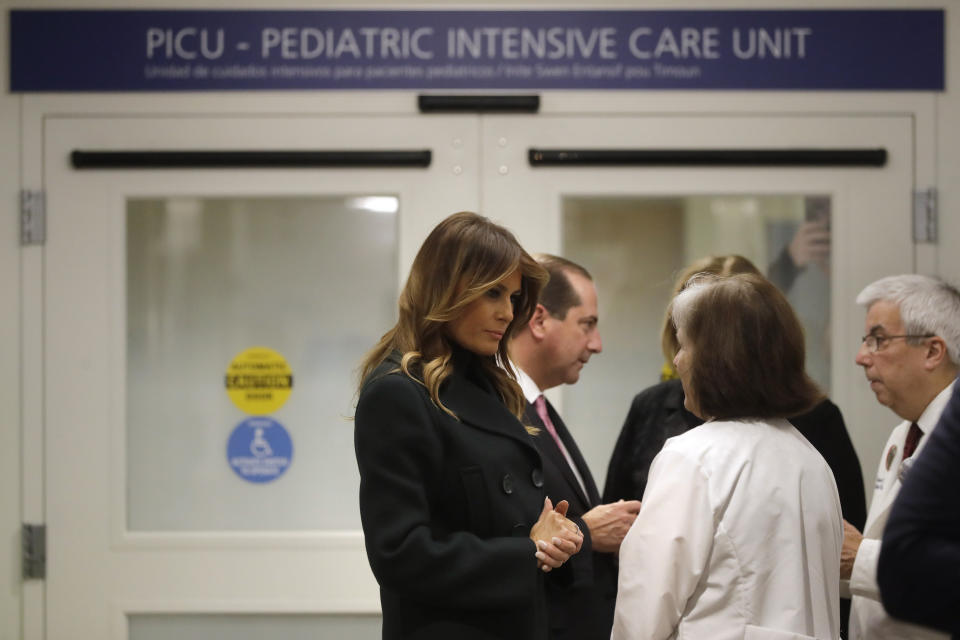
x: 876, y: 343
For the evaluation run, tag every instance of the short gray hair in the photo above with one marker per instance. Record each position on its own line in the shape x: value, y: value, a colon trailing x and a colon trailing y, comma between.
x: 927, y: 306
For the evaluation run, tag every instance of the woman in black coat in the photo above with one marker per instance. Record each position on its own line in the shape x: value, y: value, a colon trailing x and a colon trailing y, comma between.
x: 457, y: 528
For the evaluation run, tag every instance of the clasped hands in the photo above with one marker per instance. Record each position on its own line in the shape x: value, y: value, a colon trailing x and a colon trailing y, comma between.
x: 556, y: 537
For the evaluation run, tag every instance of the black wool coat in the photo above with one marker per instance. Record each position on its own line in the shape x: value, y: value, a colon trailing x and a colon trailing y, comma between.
x: 447, y: 505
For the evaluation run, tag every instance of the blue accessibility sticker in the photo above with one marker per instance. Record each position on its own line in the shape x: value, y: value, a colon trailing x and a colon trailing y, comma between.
x: 259, y: 449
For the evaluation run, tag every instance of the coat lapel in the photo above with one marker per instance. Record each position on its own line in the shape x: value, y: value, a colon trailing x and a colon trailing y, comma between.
x: 474, y: 405
x: 878, y: 518
x: 479, y: 408
x: 890, y: 495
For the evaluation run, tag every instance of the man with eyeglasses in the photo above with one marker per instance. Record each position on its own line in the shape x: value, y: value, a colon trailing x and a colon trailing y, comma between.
x: 910, y: 355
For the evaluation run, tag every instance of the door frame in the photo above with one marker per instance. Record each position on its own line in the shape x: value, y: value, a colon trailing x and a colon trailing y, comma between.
x: 86, y: 246
x: 26, y: 398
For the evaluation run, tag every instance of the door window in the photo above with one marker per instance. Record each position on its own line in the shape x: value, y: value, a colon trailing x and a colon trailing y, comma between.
x: 636, y: 247
x: 314, y: 280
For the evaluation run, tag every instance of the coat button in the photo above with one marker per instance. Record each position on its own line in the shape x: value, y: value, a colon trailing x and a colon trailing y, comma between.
x: 507, y: 484
x: 537, y: 477
x: 520, y: 530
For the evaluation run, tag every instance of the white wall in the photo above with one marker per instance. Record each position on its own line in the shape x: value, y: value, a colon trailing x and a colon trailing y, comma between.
x: 948, y: 153
x: 939, y: 167
x: 9, y: 356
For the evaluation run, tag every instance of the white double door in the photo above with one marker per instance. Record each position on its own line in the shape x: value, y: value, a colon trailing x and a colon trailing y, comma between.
x: 155, y: 280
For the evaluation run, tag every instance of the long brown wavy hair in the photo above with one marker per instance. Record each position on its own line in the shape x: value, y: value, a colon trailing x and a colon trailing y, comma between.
x: 462, y: 258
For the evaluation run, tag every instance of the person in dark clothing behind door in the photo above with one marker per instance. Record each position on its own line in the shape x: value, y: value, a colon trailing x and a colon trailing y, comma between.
x: 657, y: 413
x: 457, y: 526
x: 548, y: 351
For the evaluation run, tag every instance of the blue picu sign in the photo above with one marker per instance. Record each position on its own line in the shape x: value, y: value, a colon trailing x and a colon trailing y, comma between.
x: 193, y: 50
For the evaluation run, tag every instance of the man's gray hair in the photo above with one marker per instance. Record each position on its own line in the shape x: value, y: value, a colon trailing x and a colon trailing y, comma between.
x: 927, y: 306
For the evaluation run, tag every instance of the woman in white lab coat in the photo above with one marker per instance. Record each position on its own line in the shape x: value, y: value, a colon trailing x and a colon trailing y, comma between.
x: 740, y: 530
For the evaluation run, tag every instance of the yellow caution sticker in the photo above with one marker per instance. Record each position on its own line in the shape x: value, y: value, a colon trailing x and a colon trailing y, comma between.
x: 259, y: 381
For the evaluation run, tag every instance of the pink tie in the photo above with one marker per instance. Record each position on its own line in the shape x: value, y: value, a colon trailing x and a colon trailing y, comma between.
x: 541, y: 404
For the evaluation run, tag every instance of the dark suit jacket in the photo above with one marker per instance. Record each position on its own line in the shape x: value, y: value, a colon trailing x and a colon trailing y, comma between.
x: 447, y: 506
x: 657, y: 413
x: 583, y: 592
x: 919, y: 567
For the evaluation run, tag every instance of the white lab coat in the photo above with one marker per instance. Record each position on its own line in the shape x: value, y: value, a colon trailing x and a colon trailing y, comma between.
x: 738, y: 538
x: 868, y: 619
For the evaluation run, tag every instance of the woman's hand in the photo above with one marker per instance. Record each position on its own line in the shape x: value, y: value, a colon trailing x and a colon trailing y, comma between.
x: 556, y: 537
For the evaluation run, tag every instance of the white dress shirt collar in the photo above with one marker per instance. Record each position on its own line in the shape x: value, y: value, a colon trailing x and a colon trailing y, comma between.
x: 530, y: 389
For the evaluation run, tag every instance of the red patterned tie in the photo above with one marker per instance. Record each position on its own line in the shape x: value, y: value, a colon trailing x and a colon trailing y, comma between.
x: 913, y: 438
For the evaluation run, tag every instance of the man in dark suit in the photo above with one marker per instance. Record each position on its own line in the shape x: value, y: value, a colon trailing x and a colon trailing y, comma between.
x: 550, y: 351
x: 920, y: 556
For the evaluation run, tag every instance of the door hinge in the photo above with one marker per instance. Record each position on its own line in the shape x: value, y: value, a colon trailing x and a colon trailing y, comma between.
x: 33, y: 217
x: 925, y: 215
x: 33, y: 542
